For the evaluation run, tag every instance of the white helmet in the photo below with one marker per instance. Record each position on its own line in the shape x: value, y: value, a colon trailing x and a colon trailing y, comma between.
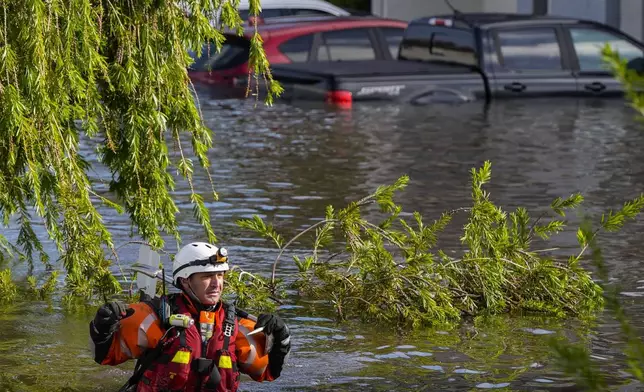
x: 198, y: 257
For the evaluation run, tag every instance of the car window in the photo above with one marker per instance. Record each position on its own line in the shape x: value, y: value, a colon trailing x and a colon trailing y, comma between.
x: 588, y: 43
x: 297, y: 49
x: 308, y: 11
x: 234, y: 52
x: 534, y: 49
x: 393, y: 37
x: 265, y: 13
x: 432, y: 43
x: 346, y: 45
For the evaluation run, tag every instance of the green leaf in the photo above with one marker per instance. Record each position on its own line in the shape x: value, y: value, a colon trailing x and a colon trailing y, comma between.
x: 581, y: 237
x: 553, y: 227
x: 257, y: 225
x: 559, y: 204
x: 614, y: 221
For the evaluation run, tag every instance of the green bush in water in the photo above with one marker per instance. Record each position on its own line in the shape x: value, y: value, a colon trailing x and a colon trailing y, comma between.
x: 8, y: 288
x: 46, y: 290
x: 390, y: 272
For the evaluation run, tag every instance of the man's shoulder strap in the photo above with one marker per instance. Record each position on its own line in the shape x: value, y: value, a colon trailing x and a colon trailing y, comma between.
x: 230, y: 320
x: 230, y: 313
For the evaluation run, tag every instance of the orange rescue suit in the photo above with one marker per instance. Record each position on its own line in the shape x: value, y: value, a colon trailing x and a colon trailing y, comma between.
x: 183, y: 349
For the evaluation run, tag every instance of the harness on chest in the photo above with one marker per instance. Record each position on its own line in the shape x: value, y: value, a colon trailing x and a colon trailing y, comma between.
x: 204, y: 365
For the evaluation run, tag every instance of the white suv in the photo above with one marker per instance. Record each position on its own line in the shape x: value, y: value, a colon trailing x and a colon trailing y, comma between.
x: 276, y: 8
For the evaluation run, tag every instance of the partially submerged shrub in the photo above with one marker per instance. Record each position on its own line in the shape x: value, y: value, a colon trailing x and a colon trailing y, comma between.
x: 46, y: 290
x: 392, y: 273
x: 8, y: 289
x: 250, y: 292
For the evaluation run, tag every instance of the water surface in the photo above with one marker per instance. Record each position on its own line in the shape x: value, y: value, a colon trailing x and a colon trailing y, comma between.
x: 286, y: 163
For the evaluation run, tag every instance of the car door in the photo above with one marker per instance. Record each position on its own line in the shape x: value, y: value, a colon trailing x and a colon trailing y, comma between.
x: 353, y: 44
x: 531, y: 63
x: 586, y: 42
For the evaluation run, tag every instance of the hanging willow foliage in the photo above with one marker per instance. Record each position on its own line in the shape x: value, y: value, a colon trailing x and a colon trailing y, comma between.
x: 115, y: 71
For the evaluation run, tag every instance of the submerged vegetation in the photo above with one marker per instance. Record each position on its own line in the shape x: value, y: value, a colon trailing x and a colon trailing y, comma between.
x: 390, y: 272
x: 8, y: 289
x: 114, y: 71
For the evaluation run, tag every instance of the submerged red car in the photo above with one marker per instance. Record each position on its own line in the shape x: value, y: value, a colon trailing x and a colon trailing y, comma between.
x: 299, y: 40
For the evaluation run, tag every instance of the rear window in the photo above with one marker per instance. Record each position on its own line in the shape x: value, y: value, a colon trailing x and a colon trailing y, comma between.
x: 297, y: 49
x: 433, y: 43
x: 346, y: 45
x: 234, y: 52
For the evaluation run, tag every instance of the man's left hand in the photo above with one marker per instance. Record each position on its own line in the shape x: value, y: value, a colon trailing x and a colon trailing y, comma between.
x: 273, y: 325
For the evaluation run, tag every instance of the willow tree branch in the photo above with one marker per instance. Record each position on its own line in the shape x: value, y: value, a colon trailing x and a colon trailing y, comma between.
x: 293, y: 240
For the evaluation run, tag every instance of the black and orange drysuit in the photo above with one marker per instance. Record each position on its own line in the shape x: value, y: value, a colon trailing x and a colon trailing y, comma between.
x: 182, y: 362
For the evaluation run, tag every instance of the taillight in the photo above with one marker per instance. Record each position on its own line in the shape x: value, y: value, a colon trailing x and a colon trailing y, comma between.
x: 441, y: 22
x: 340, y: 98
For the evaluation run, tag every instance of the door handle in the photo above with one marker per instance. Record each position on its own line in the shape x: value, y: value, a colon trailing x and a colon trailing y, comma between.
x: 595, y: 87
x: 516, y: 87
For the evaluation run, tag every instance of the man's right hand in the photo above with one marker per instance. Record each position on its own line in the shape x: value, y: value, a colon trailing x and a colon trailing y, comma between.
x: 107, y: 317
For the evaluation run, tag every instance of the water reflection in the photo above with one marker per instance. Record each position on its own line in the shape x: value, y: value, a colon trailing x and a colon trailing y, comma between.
x: 286, y: 163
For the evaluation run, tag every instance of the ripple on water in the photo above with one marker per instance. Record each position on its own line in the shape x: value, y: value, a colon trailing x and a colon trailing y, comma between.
x: 393, y: 355
x: 405, y: 347
x: 467, y: 371
x: 309, y: 197
x: 280, y: 184
x: 436, y: 368
x: 538, y: 331
x: 419, y: 354
x: 487, y: 385
x: 632, y: 293
x: 310, y: 319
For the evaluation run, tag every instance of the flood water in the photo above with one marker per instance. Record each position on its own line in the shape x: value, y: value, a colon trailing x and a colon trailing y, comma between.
x: 287, y: 163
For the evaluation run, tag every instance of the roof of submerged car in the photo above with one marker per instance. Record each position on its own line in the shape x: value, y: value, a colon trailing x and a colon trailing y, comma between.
x: 294, y: 24
x: 489, y: 19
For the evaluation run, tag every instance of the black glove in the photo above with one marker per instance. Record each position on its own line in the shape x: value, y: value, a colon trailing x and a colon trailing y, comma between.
x: 273, y: 325
x: 106, y: 321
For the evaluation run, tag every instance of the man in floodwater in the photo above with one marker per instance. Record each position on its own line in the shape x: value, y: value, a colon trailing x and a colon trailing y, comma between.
x: 204, y: 345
